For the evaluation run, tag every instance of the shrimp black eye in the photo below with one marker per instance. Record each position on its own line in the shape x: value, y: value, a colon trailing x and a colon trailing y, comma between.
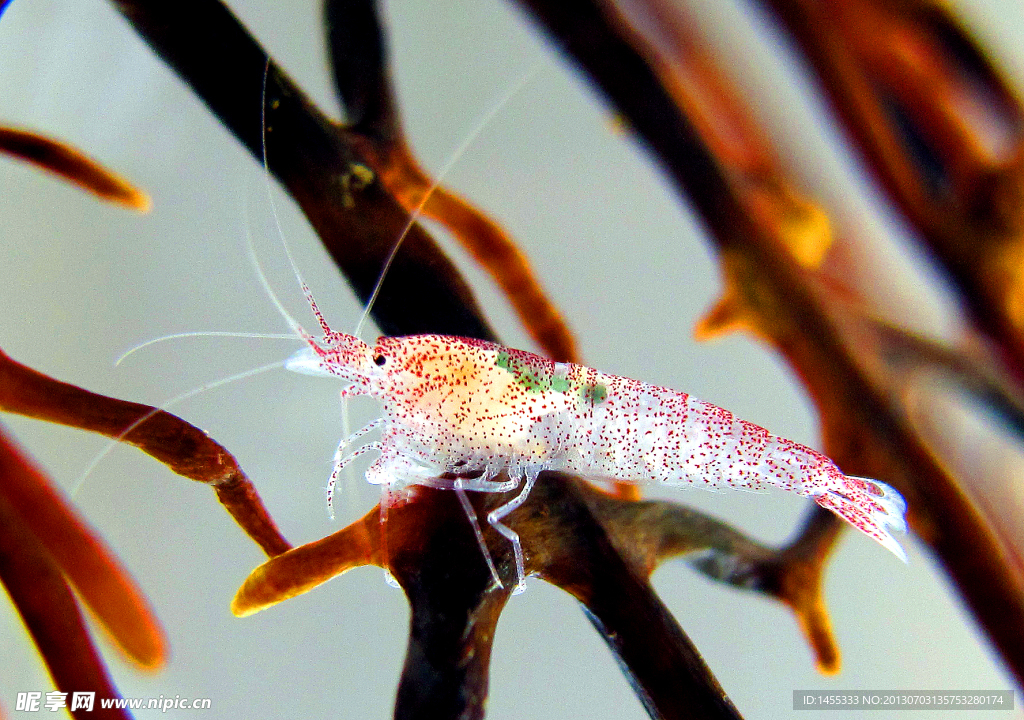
x: 379, y: 359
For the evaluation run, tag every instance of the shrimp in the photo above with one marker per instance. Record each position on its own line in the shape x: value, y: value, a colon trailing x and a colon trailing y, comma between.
x: 453, y: 405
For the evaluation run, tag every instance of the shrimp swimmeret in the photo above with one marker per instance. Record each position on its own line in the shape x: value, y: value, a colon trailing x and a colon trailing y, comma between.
x: 457, y: 405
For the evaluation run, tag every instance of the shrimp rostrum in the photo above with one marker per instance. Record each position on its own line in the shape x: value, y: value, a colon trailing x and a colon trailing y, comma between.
x: 471, y: 408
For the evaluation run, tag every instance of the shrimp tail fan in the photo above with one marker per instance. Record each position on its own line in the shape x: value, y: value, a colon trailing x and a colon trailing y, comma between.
x: 872, y: 507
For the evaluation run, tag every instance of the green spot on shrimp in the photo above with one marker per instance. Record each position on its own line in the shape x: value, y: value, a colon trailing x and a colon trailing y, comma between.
x: 530, y: 378
x: 504, y: 361
x: 533, y: 381
x: 595, y: 394
x: 560, y: 384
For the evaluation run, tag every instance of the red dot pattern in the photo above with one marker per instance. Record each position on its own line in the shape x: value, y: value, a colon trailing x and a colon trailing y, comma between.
x: 461, y: 405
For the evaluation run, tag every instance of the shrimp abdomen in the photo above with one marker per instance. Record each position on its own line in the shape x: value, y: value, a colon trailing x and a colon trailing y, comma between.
x: 641, y: 433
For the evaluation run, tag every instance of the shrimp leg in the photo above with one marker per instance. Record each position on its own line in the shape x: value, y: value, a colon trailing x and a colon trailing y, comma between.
x: 351, y: 391
x: 460, y: 486
x: 460, y: 492
x: 340, y: 460
x: 484, y: 484
x: 495, y: 516
x: 370, y: 426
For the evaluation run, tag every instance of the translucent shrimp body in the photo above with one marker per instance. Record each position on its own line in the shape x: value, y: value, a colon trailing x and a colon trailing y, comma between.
x: 457, y: 405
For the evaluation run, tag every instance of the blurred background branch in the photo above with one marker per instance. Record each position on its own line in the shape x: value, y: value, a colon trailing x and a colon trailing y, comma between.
x: 940, y: 130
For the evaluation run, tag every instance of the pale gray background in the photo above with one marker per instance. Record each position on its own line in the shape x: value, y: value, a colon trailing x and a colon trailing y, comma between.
x: 81, y: 281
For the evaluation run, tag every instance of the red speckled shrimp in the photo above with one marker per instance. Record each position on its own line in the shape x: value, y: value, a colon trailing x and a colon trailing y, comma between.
x: 454, y: 404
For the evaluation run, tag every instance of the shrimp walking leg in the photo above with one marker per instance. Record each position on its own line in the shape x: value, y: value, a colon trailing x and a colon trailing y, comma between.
x: 495, y: 516
x: 480, y: 484
x: 485, y: 484
x: 369, y: 427
x: 340, y: 461
x: 460, y: 492
x: 472, y: 484
x: 385, y: 503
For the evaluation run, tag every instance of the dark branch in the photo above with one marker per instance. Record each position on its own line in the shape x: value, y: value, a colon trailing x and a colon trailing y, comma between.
x: 358, y: 52
x: 357, y: 220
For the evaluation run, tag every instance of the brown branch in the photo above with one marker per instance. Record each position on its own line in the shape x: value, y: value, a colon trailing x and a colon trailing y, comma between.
x: 355, y: 216
x: 481, y: 236
x: 649, y: 533
x: 363, y: 80
x: 73, y: 166
x: 941, y: 130
x: 865, y: 428
x: 35, y: 553
x: 77, y: 551
x: 599, y: 548
x: 305, y: 567
x: 184, y: 448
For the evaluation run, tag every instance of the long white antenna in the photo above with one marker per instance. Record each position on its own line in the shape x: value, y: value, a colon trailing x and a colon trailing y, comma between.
x: 481, y: 123
x: 455, y: 156
x: 202, y: 333
x: 163, y: 407
x: 277, y: 222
